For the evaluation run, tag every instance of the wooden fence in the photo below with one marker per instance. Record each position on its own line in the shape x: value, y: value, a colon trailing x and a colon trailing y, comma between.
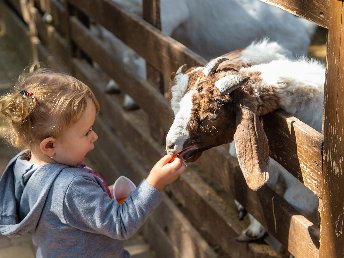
x: 198, y: 217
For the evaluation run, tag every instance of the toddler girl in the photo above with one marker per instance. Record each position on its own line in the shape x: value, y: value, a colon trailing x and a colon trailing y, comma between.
x: 47, y: 191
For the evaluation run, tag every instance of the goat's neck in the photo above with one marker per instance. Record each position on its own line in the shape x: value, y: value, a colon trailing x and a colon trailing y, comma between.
x: 295, y: 86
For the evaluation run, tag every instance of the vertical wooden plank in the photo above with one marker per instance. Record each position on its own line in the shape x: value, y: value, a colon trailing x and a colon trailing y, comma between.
x: 75, y: 51
x: 33, y: 33
x: 151, y: 13
x: 68, y: 12
x: 332, y: 208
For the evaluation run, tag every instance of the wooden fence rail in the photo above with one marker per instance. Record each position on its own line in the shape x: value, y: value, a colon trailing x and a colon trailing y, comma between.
x: 201, y: 203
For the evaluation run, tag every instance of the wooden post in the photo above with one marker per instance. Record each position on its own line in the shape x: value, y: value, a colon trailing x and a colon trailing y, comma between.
x: 84, y: 19
x: 332, y: 205
x: 66, y: 30
x: 151, y: 13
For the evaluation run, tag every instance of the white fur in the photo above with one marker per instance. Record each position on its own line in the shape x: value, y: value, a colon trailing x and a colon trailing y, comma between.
x: 178, y: 90
x: 213, y: 29
x: 178, y: 132
x: 196, y: 23
x: 271, y: 50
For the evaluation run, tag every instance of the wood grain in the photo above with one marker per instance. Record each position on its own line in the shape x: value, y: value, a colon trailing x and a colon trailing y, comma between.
x: 297, y: 147
x: 316, y: 11
x: 332, y: 211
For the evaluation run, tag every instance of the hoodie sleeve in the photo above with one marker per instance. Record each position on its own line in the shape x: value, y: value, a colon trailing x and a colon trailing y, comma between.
x: 87, y: 207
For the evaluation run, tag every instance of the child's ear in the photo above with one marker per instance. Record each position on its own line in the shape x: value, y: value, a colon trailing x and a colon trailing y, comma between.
x: 47, y: 146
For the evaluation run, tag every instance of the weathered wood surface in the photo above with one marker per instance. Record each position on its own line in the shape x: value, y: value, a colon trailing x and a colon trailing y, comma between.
x: 57, y: 45
x: 332, y: 210
x: 17, y: 31
x: 151, y: 14
x: 43, y: 5
x: 16, y: 5
x: 60, y: 17
x: 316, y: 11
x: 177, y: 229
x: 282, y: 221
x: 297, y: 147
x: 142, y: 92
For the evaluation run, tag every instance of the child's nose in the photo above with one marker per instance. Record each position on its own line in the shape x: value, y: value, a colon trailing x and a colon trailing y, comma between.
x: 94, y: 136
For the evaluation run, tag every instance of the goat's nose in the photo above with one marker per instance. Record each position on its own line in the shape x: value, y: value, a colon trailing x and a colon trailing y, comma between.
x: 171, y: 146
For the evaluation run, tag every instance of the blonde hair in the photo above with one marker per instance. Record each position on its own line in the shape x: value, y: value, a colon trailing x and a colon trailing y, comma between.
x: 57, y: 101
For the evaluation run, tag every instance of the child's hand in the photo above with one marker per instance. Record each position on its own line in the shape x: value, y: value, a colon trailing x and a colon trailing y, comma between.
x: 111, y: 189
x: 164, y: 173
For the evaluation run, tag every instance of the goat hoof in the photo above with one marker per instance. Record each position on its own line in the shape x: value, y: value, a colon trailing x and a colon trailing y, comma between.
x: 241, y: 210
x: 129, y: 104
x: 112, y: 87
x: 242, y: 214
x: 131, y: 107
x: 245, y: 238
x: 250, y: 236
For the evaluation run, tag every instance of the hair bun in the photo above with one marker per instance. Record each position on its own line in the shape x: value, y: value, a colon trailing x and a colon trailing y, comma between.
x: 17, y: 106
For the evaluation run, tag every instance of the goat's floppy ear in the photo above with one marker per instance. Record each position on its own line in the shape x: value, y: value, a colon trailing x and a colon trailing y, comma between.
x: 252, y: 148
x: 229, y: 83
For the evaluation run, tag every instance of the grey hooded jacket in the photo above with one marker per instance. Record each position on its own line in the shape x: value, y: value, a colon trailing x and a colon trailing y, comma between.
x: 68, y: 211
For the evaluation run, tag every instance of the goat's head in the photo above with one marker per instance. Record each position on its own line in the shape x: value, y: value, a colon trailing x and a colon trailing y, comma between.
x: 214, y: 105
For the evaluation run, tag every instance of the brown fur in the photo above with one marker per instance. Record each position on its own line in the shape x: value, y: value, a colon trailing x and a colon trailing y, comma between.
x: 234, y: 62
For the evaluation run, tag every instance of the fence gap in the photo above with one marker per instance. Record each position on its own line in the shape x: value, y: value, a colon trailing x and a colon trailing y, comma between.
x: 151, y: 13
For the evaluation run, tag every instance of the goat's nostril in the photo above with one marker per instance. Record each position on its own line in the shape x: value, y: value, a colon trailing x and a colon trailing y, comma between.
x: 171, y: 146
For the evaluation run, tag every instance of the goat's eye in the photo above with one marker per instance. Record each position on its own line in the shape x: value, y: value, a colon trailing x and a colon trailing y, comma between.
x: 208, y: 117
x: 212, y: 116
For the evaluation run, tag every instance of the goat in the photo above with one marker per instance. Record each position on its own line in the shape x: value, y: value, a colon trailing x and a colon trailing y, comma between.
x: 222, y: 102
x: 196, y: 24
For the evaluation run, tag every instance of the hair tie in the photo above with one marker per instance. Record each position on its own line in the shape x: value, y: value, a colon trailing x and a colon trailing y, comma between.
x: 27, y: 94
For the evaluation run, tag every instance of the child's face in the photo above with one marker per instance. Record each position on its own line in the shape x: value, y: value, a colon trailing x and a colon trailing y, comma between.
x: 78, y: 139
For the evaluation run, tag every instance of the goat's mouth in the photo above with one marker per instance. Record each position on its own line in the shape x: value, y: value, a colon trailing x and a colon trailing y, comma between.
x: 190, y: 153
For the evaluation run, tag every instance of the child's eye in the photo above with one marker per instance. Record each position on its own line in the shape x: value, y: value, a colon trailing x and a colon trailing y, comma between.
x: 88, y: 132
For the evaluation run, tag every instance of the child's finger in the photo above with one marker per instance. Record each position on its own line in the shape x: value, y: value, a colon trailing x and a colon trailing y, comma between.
x: 176, y: 164
x: 181, y: 170
x: 180, y: 160
x: 166, y: 159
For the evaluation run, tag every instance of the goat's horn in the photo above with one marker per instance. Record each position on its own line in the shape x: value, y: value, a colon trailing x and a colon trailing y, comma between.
x: 229, y: 83
x: 210, y: 68
x: 181, y: 70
